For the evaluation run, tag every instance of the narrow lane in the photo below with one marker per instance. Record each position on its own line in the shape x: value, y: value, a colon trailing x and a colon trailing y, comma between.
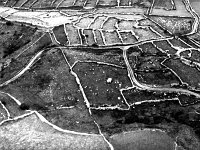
x: 195, y: 25
x: 21, y: 72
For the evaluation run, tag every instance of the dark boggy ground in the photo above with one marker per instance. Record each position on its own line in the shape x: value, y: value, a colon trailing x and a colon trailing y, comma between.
x: 176, y: 121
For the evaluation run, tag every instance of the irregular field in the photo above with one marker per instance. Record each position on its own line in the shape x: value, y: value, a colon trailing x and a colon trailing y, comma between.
x: 175, y: 25
x: 113, y: 56
x: 49, y: 88
x: 32, y: 133
x: 146, y: 139
x: 187, y: 74
x: 146, y: 61
x: 102, y: 83
x: 167, y: 4
x: 133, y: 95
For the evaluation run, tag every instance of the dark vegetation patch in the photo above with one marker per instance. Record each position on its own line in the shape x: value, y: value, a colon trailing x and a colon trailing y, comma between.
x: 43, y: 81
x: 24, y: 106
x: 151, y: 115
x: 9, y: 23
x: 14, y: 37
